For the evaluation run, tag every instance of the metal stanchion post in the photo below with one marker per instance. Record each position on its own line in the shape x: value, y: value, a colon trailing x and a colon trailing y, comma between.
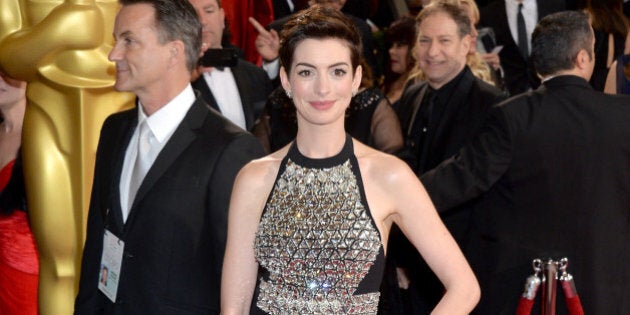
x: 550, y: 269
x: 550, y: 286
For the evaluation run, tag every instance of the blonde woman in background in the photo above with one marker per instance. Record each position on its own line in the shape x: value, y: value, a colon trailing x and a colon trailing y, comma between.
x: 483, y: 65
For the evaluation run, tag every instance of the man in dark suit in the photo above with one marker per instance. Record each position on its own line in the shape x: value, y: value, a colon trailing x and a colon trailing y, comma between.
x: 282, y: 8
x: 238, y: 92
x: 163, y: 176
x: 551, y: 169
x: 439, y: 116
x: 501, y: 16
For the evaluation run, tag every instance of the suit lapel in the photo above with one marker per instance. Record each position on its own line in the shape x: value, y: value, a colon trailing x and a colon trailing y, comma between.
x: 455, y: 107
x: 504, y: 26
x: 179, y: 141
x: 453, y: 112
x: 245, y: 92
x: 416, y: 106
x: 128, y: 128
x: 202, y: 86
x: 499, y: 23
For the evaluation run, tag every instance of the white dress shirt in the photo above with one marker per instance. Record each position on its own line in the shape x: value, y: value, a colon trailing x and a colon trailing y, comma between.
x: 162, y: 124
x: 272, y: 68
x: 225, y: 92
x: 530, y: 14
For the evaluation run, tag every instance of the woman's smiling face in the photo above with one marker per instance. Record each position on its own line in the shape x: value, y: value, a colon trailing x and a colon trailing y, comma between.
x: 321, y: 80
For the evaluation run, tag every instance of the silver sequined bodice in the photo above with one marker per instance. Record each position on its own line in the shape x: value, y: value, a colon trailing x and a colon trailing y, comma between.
x: 317, y: 242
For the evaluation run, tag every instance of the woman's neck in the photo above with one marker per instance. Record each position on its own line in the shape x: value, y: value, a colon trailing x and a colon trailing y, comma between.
x: 320, y: 141
x: 396, y: 88
x: 13, y: 117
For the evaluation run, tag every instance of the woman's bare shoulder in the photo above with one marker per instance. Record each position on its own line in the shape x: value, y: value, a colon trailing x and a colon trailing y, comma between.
x: 380, y: 165
x: 259, y: 174
x: 253, y: 185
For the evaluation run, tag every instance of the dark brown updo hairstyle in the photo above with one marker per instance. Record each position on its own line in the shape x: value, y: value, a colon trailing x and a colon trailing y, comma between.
x: 318, y: 22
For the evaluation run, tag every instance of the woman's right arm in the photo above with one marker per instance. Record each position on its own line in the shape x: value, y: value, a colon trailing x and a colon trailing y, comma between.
x: 239, y: 265
x: 418, y: 219
x: 611, y: 79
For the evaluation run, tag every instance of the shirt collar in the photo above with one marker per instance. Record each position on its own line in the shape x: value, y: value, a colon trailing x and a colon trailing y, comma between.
x: 526, y: 4
x: 217, y: 71
x: 164, y: 121
x: 443, y: 94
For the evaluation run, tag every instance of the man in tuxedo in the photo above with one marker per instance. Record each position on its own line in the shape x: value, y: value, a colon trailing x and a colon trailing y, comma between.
x: 503, y: 17
x: 239, y: 92
x: 439, y: 116
x: 163, y: 176
x: 282, y: 8
x: 551, y: 171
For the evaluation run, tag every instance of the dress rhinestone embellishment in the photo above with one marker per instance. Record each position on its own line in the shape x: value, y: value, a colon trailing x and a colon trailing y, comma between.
x: 317, y: 242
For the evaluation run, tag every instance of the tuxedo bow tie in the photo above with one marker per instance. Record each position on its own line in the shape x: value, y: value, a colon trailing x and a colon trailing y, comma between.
x: 209, y: 69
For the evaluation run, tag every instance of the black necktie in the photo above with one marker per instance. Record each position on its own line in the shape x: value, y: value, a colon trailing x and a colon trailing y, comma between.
x: 522, y: 32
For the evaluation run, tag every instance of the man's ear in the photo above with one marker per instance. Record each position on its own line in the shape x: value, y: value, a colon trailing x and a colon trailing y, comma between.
x: 582, y: 60
x: 222, y: 18
x: 466, y: 42
x: 176, y: 52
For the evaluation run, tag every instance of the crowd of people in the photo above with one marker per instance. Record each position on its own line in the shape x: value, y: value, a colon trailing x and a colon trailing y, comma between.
x: 367, y: 158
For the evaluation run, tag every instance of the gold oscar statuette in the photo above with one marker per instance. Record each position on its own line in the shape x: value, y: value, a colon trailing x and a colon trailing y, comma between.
x: 60, y: 48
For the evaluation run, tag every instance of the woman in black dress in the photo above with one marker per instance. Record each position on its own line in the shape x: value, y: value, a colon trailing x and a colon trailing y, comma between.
x: 308, y: 224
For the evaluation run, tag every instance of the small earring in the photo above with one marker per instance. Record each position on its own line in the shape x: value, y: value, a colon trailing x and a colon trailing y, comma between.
x: 354, y: 93
x: 289, y: 94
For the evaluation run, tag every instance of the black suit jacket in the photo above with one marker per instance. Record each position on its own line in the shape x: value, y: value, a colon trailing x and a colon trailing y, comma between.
x: 253, y: 86
x: 281, y: 9
x: 553, y: 166
x: 462, y: 117
x: 520, y: 74
x: 175, y: 233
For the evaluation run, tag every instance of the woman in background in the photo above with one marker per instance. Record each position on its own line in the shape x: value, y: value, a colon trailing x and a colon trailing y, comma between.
x: 19, y: 263
x: 483, y: 65
x: 400, y: 38
x: 618, y: 80
x: 611, y: 28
